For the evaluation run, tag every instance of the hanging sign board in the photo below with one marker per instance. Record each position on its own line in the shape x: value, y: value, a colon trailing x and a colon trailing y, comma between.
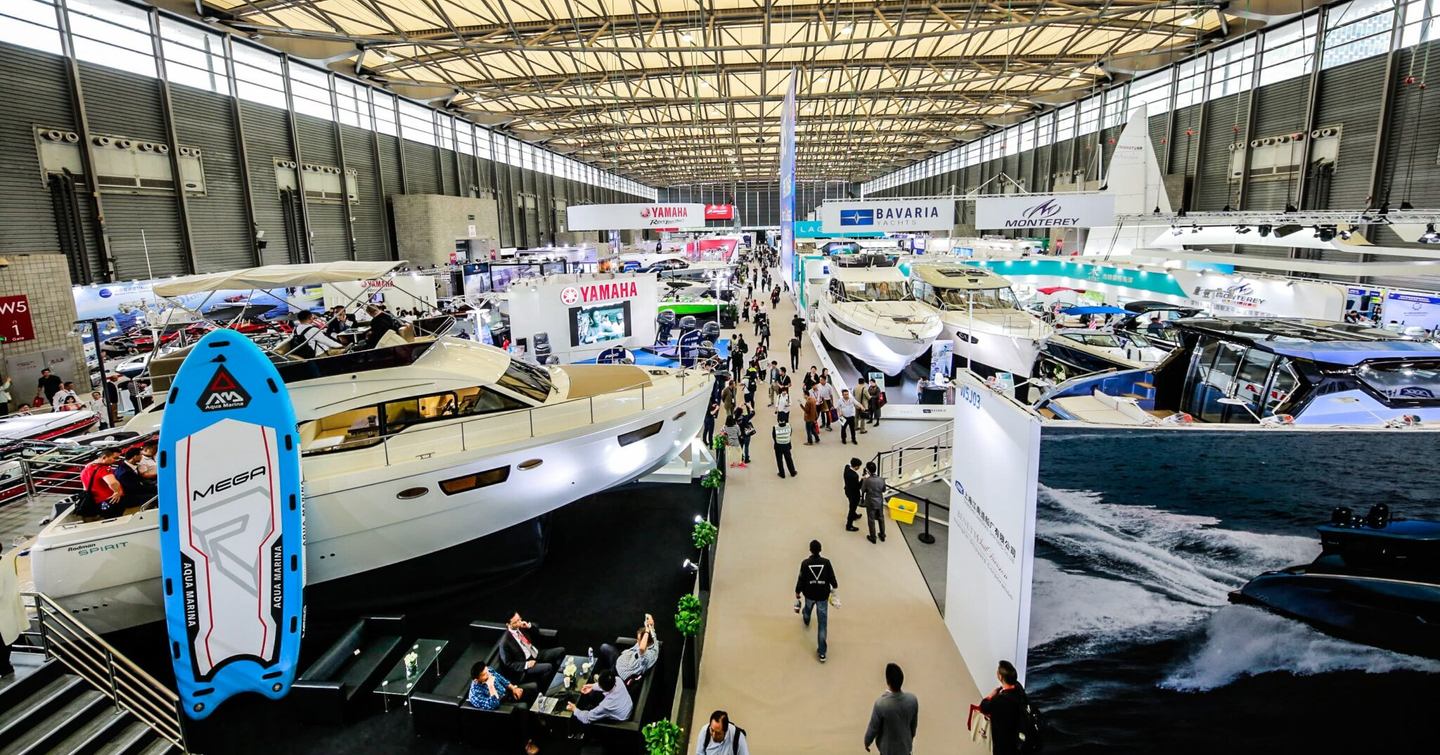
x: 604, y: 217
x: 15, y: 322
x: 888, y: 215
x: 1045, y: 211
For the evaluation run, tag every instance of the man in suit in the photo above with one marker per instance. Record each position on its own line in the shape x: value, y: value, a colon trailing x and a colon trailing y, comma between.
x: 852, y: 494
x: 521, y: 658
x: 894, y: 718
x: 381, y: 322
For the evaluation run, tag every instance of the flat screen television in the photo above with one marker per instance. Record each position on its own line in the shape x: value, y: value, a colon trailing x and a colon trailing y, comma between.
x: 600, y: 323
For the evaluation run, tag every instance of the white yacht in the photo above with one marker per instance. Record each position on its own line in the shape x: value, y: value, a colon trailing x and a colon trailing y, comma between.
x: 408, y: 451
x: 980, y: 313
x: 868, y: 313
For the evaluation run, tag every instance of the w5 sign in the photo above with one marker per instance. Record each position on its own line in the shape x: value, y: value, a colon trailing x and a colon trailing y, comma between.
x: 1045, y: 211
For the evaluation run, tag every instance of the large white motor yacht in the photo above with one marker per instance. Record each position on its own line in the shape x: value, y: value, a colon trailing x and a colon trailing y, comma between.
x: 868, y: 313
x: 980, y: 313
x: 407, y: 451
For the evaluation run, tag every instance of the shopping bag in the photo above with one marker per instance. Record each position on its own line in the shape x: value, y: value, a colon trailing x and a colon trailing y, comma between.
x: 978, y: 724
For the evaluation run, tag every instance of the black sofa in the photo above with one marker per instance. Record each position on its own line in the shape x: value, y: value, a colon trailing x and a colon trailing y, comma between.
x: 440, y: 710
x: 624, y: 736
x: 338, y: 683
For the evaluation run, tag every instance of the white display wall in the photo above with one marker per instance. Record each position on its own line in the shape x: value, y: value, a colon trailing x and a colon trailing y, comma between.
x: 544, y: 305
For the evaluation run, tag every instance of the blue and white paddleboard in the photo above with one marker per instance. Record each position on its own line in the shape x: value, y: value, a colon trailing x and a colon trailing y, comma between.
x: 231, y: 540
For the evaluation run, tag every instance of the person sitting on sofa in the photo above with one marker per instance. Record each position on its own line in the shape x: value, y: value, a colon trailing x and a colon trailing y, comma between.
x: 605, y: 700
x: 635, y: 660
x: 521, y: 658
x: 489, y: 690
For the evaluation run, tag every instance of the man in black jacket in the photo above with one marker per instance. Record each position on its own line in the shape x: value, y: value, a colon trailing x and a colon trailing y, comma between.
x: 522, y: 658
x: 381, y: 322
x: 852, y: 494
x: 1006, y: 709
x: 816, y: 580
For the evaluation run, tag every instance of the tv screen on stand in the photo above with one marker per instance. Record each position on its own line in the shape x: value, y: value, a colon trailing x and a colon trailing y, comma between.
x: 599, y: 324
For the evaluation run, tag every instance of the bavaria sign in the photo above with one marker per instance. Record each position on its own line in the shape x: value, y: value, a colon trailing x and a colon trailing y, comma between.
x: 887, y: 215
x: 610, y: 217
x: 1045, y: 211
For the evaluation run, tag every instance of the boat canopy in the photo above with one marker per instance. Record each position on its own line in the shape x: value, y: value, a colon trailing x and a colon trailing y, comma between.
x: 275, y: 276
x: 958, y: 276
x: 1147, y: 306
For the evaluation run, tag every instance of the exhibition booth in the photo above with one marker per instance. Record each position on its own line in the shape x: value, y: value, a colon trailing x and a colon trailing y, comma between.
x: 576, y: 317
x: 1127, y: 573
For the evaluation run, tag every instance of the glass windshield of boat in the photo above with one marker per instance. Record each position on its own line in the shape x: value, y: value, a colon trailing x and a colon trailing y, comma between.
x: 367, y: 425
x: 875, y: 291
x: 1229, y: 370
x: 528, y: 380
x: 1101, y: 340
x: 987, y: 298
x: 1405, y: 381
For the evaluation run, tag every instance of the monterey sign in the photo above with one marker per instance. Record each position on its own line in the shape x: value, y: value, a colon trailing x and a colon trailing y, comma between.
x: 887, y: 215
x: 1045, y: 211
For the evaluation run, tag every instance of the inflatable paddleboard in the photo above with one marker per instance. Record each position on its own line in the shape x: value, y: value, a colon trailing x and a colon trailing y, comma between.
x: 231, y: 541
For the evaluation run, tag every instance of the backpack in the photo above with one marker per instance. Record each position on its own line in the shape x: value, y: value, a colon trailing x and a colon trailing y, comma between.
x: 1032, y: 735
x: 735, y: 743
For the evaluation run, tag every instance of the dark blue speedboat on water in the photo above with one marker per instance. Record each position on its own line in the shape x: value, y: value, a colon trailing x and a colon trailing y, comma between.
x: 1376, y: 581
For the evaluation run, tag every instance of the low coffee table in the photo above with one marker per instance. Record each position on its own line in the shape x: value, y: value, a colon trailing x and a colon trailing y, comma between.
x: 561, y: 692
x: 400, y: 681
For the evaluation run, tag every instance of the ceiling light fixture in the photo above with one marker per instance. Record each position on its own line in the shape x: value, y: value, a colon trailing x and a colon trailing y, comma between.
x: 1190, y: 20
x: 847, y: 28
x: 686, y: 37
x: 1075, y: 73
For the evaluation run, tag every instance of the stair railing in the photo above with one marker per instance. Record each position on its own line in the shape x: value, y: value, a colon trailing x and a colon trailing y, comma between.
x: 93, y: 659
x: 919, y: 458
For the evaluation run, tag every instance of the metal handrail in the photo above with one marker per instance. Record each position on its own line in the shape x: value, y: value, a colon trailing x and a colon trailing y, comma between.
x: 93, y: 659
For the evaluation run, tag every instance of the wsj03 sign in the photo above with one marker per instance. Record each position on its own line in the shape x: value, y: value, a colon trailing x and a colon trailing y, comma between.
x: 887, y: 215
x: 1045, y: 211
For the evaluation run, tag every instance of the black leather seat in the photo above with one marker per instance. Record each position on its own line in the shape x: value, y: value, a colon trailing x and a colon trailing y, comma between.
x: 338, y: 683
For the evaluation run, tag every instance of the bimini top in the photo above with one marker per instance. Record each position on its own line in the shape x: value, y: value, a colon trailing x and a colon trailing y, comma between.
x: 968, y: 277
x: 1147, y: 306
x: 1316, y: 340
x: 275, y: 276
x: 867, y: 274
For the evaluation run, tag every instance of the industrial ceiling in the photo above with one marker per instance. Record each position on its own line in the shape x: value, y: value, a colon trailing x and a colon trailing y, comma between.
x: 672, y: 92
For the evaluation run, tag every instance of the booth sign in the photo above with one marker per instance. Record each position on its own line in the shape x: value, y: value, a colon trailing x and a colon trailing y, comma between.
x: 888, y: 215
x: 15, y: 322
x: 598, y: 292
x: 1045, y: 211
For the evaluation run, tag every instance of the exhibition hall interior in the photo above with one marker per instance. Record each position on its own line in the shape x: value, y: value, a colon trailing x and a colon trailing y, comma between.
x: 480, y: 376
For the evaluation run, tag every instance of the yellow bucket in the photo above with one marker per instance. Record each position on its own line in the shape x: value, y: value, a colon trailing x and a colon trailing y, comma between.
x: 902, y: 510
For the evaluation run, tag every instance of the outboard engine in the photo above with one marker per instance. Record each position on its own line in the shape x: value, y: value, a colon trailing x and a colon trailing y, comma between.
x: 664, y: 325
x: 687, y: 322
x: 1379, y: 517
x: 1342, y: 516
x: 710, y: 331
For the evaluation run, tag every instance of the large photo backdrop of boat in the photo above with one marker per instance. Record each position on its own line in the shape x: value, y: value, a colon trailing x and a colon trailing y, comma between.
x: 1143, y: 534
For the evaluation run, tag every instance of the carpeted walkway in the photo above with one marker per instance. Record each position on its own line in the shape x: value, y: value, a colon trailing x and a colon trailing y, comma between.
x: 759, y: 662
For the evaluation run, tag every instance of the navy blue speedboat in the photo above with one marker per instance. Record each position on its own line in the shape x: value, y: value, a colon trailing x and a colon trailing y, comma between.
x: 1376, y: 581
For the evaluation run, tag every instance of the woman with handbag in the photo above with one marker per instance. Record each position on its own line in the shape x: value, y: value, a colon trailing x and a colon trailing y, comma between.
x: 745, y: 427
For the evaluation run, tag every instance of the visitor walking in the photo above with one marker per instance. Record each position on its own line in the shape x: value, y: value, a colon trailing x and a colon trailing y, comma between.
x: 812, y: 590
x: 795, y: 352
x: 745, y: 428
x: 811, y: 414
x: 846, y: 407
x: 782, y: 434
x: 873, y: 488
x: 895, y: 717
x: 877, y: 400
x: 862, y: 405
x: 1006, y: 708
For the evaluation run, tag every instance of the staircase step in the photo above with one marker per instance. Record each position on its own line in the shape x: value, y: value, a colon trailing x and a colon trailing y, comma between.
x: 19, y: 717
x: 39, y: 732
x: 67, y: 736
x: 128, y: 740
x: 158, y: 747
x: 103, y: 728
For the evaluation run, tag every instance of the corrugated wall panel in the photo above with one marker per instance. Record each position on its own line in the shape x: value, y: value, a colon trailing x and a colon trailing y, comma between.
x: 1158, y: 124
x: 27, y: 219
x: 1349, y: 186
x: 420, y: 168
x: 449, y: 184
x: 217, y: 220
x: 1186, y: 147
x: 267, y: 138
x: 1225, y: 125
x: 327, y: 219
x: 138, y: 226
x: 369, y: 207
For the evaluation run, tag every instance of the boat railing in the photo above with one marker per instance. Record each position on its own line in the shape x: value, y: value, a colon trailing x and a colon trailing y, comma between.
x: 517, y: 426
x: 67, y: 640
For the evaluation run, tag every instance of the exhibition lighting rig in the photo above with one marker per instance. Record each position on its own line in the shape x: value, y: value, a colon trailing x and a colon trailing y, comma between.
x: 1273, y: 218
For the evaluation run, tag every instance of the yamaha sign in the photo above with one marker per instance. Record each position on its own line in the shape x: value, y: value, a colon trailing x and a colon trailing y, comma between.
x: 856, y: 216
x: 1045, y: 211
x: 610, y: 217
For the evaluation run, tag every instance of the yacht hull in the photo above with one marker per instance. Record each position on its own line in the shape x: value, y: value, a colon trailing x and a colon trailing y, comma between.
x: 992, y: 349
x: 889, y: 353
x: 108, y: 573
x: 1398, y: 615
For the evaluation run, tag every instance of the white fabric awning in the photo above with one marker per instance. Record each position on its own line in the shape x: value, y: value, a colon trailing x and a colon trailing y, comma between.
x: 275, y: 276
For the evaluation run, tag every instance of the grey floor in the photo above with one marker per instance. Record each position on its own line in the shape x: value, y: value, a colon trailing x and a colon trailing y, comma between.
x: 931, y: 557
x: 20, y: 521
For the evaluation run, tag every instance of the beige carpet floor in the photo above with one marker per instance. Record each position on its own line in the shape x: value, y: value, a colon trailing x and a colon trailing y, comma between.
x: 759, y: 662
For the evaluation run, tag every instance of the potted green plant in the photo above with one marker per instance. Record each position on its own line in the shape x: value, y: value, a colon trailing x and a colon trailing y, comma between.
x: 712, y: 479
x: 704, y: 534
x: 662, y: 738
x: 687, y: 615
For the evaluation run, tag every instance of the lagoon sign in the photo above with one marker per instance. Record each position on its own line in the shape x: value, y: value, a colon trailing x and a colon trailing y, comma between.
x: 1045, y: 211
x: 867, y: 215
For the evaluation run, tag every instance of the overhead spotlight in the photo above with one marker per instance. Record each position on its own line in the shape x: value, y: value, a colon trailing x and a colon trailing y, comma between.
x: 1430, y: 236
x: 1242, y: 229
x: 1325, y: 233
x: 1406, y: 205
x: 1286, y: 230
x: 1075, y: 73
x: 686, y: 37
x: 1290, y: 207
x: 1345, y: 235
x: 1190, y: 20
x: 1264, y: 230
x: 1227, y: 208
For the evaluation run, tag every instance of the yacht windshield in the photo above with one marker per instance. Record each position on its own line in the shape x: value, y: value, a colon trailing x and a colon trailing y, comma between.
x: 1103, y: 340
x: 527, y: 380
x: 987, y: 298
x: 1403, y: 382
x: 877, y: 291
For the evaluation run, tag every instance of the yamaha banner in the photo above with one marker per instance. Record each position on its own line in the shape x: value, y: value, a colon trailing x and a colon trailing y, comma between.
x: 887, y: 215
x: 1045, y: 211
